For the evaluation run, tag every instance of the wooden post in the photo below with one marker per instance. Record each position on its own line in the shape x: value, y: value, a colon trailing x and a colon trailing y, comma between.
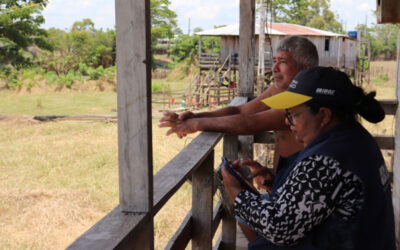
x: 230, y: 151
x: 202, y: 204
x: 396, y: 165
x: 246, y: 64
x: 246, y: 48
x: 134, y: 110
x: 261, y: 49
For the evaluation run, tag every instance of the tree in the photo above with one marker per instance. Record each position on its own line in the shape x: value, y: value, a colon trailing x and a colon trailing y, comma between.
x: 321, y: 17
x: 20, y: 22
x: 86, y: 24
x: 313, y: 13
x: 163, y: 23
x: 383, y: 40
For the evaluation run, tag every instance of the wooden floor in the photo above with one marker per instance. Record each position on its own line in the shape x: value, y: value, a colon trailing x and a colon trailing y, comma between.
x: 241, y: 240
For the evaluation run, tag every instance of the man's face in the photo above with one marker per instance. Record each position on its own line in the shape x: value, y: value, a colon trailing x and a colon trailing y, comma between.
x: 284, y: 69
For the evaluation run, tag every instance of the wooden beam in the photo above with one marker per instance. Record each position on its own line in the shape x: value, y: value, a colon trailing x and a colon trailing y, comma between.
x: 115, y: 228
x: 384, y: 141
x: 134, y: 116
x: 230, y: 151
x: 246, y: 48
x: 396, y: 164
x: 134, y: 104
x: 388, y: 11
x: 389, y: 106
x: 202, y: 204
x: 175, y: 172
x: 182, y: 236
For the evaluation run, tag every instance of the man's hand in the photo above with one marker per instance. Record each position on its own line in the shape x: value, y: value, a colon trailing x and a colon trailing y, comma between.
x: 177, y: 123
x: 262, y: 176
x: 173, y: 117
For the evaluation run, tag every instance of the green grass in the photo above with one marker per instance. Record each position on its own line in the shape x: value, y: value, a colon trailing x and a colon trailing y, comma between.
x: 61, y: 103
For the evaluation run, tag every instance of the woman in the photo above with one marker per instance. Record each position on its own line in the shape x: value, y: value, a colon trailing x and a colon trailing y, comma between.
x: 336, y: 192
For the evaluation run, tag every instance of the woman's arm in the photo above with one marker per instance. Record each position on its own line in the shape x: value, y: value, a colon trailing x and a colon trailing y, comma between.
x: 313, y: 190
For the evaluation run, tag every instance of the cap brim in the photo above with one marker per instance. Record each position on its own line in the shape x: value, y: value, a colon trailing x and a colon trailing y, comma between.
x: 285, y: 100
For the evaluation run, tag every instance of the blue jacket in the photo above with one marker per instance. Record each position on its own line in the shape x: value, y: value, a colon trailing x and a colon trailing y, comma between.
x: 373, y: 227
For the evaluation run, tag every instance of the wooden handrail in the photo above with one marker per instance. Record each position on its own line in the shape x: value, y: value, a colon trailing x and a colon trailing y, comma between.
x: 118, y: 228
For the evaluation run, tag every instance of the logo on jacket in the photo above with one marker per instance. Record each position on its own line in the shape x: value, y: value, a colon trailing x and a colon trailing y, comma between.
x: 384, y: 174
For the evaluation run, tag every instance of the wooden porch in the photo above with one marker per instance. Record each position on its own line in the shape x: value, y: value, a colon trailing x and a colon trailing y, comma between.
x: 142, y: 195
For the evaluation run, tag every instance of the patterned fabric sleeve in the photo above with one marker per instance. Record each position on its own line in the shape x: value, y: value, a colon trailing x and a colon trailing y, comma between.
x: 315, y: 188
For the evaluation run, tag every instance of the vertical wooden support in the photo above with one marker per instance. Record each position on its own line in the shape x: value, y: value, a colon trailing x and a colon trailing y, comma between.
x: 246, y: 64
x: 230, y: 151
x: 202, y: 204
x: 134, y: 110
x: 396, y: 165
x: 246, y: 48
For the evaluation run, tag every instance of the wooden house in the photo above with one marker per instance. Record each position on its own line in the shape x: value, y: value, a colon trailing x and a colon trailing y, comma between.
x: 335, y: 50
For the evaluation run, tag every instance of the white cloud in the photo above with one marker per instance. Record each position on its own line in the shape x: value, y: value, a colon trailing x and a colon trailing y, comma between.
x: 364, y: 7
x: 204, y: 12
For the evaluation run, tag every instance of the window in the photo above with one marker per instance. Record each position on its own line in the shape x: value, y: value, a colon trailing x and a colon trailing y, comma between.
x: 327, y: 44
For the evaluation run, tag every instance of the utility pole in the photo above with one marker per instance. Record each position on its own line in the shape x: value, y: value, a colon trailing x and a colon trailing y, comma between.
x: 189, y: 27
x: 261, y: 49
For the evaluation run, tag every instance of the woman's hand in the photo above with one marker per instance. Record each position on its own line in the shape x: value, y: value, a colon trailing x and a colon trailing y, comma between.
x: 263, y: 176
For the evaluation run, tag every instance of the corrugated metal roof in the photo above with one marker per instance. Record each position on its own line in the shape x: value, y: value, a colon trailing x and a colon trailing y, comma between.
x: 284, y: 29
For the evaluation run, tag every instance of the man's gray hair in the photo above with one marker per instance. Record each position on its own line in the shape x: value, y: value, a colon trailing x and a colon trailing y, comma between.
x: 303, y: 50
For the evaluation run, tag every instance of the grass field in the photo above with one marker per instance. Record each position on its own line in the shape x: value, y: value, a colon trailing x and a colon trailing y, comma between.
x: 58, y: 178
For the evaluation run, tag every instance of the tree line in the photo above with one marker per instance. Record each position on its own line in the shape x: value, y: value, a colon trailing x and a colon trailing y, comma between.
x: 84, y: 50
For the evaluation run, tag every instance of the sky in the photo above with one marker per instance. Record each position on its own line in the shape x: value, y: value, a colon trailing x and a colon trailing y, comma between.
x: 201, y: 13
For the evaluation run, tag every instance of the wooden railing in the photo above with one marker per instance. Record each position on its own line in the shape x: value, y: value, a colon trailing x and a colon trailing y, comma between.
x: 119, y: 230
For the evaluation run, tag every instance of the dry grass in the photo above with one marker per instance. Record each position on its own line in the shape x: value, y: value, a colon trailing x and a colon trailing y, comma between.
x: 59, y: 178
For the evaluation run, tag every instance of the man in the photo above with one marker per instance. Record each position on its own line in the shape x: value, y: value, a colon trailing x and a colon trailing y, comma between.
x: 293, y: 54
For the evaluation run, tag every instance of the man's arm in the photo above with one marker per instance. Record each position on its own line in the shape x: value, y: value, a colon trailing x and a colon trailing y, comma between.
x: 242, y: 124
x: 252, y: 107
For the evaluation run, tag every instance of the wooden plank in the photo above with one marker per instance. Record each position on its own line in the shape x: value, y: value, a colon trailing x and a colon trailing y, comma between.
x: 218, y: 213
x: 134, y: 115
x: 396, y: 164
x: 389, y: 105
x: 175, y: 172
x: 110, y: 231
x: 265, y: 137
x: 384, y: 141
x: 230, y: 151
x: 134, y: 105
x: 388, y: 11
x: 246, y: 48
x: 202, y: 204
x: 182, y: 236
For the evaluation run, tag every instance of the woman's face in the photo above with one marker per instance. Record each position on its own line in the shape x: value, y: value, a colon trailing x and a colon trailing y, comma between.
x: 305, y: 125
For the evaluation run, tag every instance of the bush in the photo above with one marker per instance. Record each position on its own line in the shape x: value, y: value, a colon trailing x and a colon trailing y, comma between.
x: 95, y: 74
x: 384, y: 77
x: 68, y: 79
x: 51, y: 77
x: 83, y: 69
x: 159, y: 87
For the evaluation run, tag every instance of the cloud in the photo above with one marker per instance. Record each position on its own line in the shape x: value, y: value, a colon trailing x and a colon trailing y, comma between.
x: 364, y: 7
x: 204, y: 12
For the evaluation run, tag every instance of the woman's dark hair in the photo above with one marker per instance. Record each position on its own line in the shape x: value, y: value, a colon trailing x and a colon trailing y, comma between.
x: 361, y: 103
